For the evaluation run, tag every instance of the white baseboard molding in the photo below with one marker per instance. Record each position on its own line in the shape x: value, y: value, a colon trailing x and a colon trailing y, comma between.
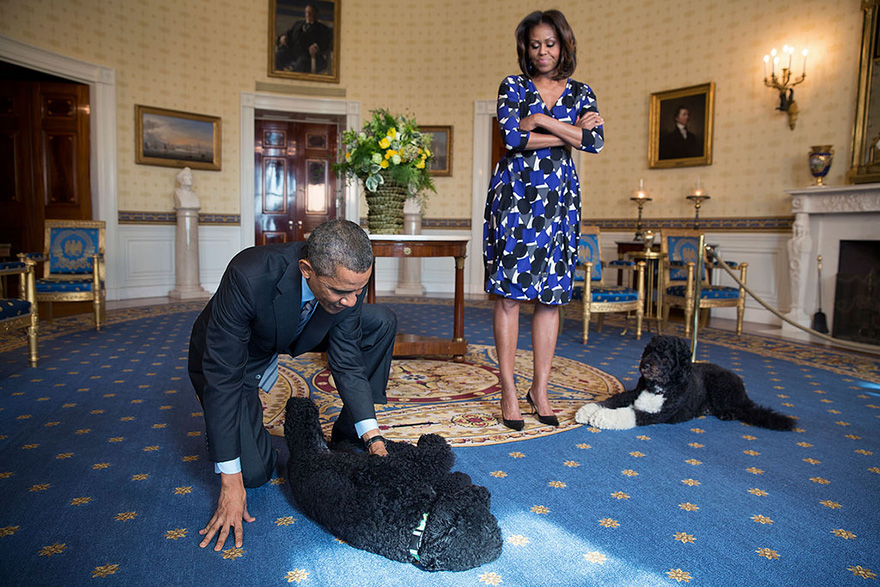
x: 148, y: 265
x: 147, y: 258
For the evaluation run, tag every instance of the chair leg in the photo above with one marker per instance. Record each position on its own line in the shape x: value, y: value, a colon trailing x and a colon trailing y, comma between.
x: 625, y: 324
x: 586, y: 324
x: 600, y: 321
x: 98, y: 313
x: 688, y: 318
x: 32, y: 345
x: 740, y: 311
x: 640, y: 314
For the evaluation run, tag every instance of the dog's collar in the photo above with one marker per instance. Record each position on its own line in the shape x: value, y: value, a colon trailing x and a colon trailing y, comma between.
x: 415, y: 540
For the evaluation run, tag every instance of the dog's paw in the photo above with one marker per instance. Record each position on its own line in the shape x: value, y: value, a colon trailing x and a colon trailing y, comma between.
x: 584, y: 414
x: 611, y: 418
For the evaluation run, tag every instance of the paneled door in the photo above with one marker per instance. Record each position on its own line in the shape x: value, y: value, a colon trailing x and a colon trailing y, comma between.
x: 44, y: 158
x: 295, y: 184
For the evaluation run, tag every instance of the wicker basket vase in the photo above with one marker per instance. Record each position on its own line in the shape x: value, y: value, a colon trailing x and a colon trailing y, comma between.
x: 385, y: 207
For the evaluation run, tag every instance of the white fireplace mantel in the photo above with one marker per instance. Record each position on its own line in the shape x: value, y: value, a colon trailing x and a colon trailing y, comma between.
x: 824, y: 216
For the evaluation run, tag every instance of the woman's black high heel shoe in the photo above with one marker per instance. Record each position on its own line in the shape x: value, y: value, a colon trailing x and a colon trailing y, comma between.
x: 513, y: 424
x: 551, y: 420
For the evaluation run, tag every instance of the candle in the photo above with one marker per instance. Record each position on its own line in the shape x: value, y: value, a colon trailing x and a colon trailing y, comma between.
x: 775, y: 60
x: 805, y: 62
x: 766, y: 61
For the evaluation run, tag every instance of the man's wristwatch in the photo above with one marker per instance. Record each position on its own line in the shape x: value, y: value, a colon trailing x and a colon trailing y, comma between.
x: 370, y: 441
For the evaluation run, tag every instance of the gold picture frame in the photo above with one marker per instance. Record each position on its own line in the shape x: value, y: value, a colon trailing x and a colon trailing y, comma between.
x: 668, y: 146
x: 170, y: 138
x: 304, y: 39
x: 441, y: 147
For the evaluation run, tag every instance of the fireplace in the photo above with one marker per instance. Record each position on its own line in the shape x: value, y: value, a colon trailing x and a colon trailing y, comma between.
x: 826, y: 217
x: 857, y: 292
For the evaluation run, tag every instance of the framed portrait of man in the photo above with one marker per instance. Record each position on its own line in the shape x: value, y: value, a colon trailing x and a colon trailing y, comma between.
x: 304, y: 39
x: 681, y: 127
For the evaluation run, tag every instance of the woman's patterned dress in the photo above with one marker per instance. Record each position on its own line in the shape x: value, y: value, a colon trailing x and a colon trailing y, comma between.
x: 532, y: 218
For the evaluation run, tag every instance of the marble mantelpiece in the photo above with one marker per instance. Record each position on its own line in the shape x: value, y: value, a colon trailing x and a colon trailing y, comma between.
x: 824, y: 216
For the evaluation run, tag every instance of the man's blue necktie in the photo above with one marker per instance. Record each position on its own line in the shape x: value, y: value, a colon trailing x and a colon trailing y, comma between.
x: 270, y: 375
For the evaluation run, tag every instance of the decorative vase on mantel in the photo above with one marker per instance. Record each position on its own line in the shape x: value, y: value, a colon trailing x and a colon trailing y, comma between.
x: 820, y: 159
x: 385, y: 206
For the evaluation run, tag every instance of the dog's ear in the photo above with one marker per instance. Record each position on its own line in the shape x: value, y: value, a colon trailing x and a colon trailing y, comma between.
x: 302, y: 426
x: 461, y: 532
x: 682, y: 351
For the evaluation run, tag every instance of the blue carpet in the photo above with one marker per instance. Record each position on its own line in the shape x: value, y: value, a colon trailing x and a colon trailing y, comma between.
x: 104, y: 478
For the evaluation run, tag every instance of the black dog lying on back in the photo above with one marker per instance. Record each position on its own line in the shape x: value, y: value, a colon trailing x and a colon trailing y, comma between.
x: 672, y: 389
x: 407, y: 506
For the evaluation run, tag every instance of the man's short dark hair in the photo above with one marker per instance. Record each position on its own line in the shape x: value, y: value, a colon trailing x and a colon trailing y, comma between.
x: 339, y: 242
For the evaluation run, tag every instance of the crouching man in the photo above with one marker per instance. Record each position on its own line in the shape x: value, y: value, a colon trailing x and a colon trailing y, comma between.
x: 289, y: 298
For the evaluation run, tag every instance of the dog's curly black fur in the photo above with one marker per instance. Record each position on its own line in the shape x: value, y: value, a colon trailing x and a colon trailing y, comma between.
x: 671, y: 389
x: 374, y: 503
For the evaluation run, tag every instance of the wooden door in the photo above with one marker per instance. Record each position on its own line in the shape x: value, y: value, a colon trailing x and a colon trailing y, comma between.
x: 44, y: 158
x: 295, y: 185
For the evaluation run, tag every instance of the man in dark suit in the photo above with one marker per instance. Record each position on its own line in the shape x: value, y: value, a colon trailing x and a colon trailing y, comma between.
x: 306, y: 41
x: 288, y: 298
x: 680, y: 142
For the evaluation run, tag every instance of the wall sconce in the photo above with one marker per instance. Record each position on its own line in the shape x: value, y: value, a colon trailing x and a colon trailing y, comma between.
x: 640, y: 198
x: 698, y: 196
x: 782, y: 81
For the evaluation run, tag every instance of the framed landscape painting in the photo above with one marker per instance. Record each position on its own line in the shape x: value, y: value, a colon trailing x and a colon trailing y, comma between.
x: 170, y: 138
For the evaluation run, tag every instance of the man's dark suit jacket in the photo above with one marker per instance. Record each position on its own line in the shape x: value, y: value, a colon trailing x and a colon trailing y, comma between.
x: 253, y: 315
x: 675, y: 146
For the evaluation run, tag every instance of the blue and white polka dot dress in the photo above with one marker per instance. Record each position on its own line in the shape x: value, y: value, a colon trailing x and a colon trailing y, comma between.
x: 532, y: 218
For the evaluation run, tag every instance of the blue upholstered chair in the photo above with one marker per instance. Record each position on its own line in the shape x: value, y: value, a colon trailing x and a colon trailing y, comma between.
x: 680, y: 279
x: 599, y: 298
x: 73, y: 269
x: 21, y: 313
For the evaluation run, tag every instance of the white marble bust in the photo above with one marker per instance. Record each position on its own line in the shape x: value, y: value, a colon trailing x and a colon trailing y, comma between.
x: 184, y: 196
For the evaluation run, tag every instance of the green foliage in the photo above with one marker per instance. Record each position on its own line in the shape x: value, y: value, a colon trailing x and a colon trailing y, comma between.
x: 390, y: 143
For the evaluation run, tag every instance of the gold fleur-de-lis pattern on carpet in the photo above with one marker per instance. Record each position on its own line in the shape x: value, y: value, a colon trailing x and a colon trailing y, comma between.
x: 103, y: 469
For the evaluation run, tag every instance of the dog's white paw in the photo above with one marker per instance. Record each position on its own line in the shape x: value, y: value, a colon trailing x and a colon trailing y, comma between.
x: 609, y: 418
x: 649, y: 402
x: 587, y: 410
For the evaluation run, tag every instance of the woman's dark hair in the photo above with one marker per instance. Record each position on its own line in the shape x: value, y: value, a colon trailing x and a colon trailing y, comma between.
x: 564, y: 35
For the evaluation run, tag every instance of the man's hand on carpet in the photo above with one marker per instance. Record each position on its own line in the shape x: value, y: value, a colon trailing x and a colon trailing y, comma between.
x: 231, y: 510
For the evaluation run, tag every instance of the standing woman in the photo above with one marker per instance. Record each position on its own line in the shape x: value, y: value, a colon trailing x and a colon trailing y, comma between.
x: 533, y: 209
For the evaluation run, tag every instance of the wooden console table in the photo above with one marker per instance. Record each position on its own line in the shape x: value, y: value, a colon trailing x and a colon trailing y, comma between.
x: 420, y: 245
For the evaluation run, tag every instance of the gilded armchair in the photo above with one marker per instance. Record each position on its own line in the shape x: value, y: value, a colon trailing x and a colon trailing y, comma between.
x: 21, y: 313
x: 73, y: 265
x: 598, y: 298
x: 680, y: 279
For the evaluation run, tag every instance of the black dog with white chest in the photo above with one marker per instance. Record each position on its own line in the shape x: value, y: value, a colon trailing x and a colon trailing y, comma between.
x: 671, y: 389
x: 407, y: 506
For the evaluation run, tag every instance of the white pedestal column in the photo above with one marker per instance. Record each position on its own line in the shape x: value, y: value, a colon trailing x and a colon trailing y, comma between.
x: 409, y: 271
x: 186, y: 250
x: 186, y: 257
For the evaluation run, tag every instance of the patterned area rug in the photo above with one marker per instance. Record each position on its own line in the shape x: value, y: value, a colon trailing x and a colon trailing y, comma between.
x: 459, y: 401
x: 104, y: 474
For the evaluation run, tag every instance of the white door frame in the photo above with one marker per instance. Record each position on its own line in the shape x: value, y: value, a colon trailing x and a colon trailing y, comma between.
x: 250, y: 103
x: 102, y: 121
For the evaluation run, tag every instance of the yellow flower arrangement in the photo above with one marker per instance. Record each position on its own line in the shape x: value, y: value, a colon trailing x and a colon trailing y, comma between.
x: 392, y: 144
